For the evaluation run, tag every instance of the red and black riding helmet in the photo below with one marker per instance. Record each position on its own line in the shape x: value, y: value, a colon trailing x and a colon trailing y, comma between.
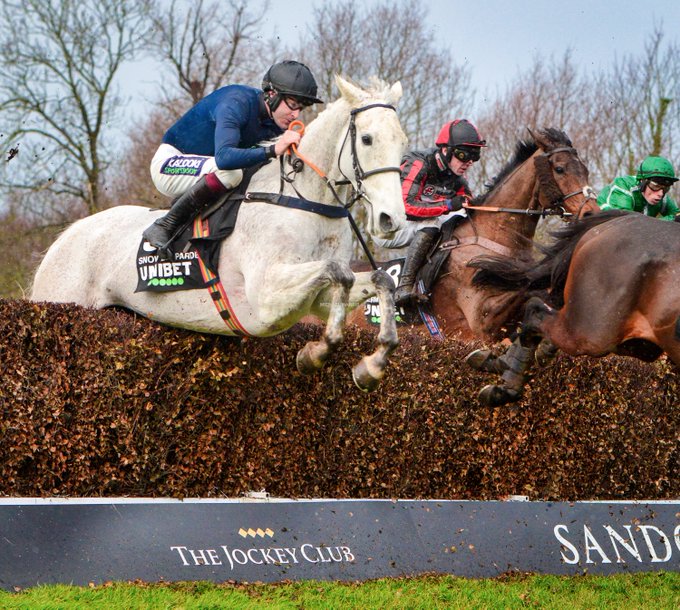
x: 460, y: 135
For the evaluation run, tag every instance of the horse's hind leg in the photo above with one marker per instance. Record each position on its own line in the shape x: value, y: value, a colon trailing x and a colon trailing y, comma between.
x: 315, y: 353
x: 370, y: 369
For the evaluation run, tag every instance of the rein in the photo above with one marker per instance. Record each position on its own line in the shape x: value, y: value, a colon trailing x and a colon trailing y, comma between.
x: 359, y: 174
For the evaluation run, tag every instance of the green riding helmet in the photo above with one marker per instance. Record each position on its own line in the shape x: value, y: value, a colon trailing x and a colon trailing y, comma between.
x: 656, y: 167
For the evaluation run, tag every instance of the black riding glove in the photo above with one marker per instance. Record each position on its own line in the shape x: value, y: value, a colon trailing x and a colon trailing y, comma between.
x: 456, y: 203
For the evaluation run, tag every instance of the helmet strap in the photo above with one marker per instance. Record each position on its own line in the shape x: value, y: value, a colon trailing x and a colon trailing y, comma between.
x: 273, y: 99
x: 442, y: 159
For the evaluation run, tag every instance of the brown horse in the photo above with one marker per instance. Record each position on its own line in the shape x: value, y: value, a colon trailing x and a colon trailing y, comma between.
x: 544, y: 177
x: 608, y: 285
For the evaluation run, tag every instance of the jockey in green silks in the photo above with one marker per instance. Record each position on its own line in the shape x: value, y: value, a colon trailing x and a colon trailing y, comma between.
x: 646, y: 192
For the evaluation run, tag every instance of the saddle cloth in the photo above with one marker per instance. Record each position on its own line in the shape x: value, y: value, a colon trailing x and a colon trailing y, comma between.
x: 197, y: 246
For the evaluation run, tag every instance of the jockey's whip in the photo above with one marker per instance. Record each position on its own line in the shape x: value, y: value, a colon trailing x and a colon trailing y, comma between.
x: 299, y: 127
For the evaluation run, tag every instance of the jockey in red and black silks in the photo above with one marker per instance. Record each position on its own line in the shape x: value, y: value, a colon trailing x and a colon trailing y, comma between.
x: 428, y: 185
x: 433, y: 189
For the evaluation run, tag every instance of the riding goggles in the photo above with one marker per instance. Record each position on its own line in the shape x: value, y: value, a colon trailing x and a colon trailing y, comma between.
x: 465, y: 155
x: 294, y: 103
x: 659, y: 186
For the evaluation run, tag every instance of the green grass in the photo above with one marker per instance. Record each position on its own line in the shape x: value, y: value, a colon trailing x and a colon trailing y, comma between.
x: 656, y: 591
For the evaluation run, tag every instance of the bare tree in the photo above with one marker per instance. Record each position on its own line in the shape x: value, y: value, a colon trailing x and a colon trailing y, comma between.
x: 360, y: 41
x: 58, y: 64
x: 209, y: 45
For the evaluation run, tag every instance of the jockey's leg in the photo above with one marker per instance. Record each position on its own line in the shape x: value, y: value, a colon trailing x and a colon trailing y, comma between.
x: 206, y: 191
x: 415, y: 257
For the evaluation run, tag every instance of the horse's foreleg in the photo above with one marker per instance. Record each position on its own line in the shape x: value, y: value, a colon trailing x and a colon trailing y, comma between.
x: 370, y: 369
x: 518, y: 358
x: 315, y: 353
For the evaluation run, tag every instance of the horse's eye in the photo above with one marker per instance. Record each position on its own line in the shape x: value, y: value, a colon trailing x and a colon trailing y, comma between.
x: 368, y: 140
x: 559, y: 169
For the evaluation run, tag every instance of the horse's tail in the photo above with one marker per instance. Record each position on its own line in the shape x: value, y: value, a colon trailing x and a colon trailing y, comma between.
x: 501, y: 272
x: 549, y: 272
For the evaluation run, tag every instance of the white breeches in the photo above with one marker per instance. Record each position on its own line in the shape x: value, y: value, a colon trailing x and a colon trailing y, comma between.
x: 174, y: 173
x: 404, y: 237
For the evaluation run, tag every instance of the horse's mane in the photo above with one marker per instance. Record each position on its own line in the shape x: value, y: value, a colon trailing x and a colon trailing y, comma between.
x: 523, y: 150
x: 549, y: 272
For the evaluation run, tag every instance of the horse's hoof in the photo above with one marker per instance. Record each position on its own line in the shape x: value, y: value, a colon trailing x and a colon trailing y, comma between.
x: 306, y: 363
x: 484, y: 360
x: 364, y: 379
x: 545, y: 353
x: 497, y: 395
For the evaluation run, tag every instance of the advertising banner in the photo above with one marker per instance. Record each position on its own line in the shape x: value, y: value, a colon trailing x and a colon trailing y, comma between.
x: 83, y: 541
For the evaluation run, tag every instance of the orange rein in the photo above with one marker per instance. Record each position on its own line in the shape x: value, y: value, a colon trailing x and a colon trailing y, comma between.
x: 299, y: 126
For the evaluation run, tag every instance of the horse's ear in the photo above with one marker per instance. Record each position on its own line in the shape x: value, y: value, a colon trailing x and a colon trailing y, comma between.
x: 396, y: 92
x: 350, y: 92
x: 540, y: 139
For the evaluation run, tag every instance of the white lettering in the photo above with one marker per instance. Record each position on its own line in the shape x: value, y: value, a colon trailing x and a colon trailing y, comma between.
x: 676, y: 536
x: 304, y: 553
x: 566, y: 544
x: 242, y: 557
x: 650, y: 545
x: 347, y: 552
x: 259, y: 563
x: 180, y: 550
x: 292, y: 552
x: 199, y: 557
x: 226, y: 552
x: 593, y: 545
x: 212, y: 555
x: 319, y: 552
x: 630, y: 547
x: 281, y: 556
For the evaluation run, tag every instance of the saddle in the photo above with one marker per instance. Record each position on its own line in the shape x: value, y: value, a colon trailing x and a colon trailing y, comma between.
x: 413, y: 314
x: 195, y: 249
x: 429, y: 272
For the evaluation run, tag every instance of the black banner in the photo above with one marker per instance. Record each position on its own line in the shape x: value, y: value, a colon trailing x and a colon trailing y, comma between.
x: 109, y: 539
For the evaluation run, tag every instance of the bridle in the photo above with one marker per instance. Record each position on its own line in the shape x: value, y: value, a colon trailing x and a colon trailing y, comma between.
x: 359, y: 174
x: 297, y: 161
x: 556, y: 207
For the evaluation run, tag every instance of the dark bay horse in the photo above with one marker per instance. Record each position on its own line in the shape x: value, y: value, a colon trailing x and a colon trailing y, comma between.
x: 544, y: 177
x: 608, y: 285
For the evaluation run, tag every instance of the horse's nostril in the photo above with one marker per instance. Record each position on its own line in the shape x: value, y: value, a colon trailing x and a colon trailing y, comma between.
x: 386, y: 224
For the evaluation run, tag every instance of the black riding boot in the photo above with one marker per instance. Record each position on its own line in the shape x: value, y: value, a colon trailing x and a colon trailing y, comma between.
x: 187, y: 205
x: 415, y: 257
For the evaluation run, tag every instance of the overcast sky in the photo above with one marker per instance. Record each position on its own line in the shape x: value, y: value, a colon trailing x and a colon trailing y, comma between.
x: 499, y: 38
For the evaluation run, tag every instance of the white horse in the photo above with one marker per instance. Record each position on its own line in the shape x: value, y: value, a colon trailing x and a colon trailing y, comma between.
x: 279, y: 264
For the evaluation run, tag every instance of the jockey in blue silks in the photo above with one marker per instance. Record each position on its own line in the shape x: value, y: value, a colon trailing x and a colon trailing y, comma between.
x: 203, y: 154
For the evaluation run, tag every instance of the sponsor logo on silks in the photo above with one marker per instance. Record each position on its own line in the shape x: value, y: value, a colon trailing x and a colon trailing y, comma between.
x: 184, y: 166
x: 428, y: 191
